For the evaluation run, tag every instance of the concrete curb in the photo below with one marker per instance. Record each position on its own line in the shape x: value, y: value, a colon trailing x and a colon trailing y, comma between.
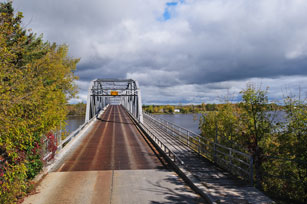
x: 64, y: 151
x: 185, y: 175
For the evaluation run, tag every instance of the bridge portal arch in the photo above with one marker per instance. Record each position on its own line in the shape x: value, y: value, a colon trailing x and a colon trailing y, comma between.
x: 124, y: 92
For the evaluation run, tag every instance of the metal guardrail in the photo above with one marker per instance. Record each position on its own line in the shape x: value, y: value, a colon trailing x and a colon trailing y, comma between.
x: 238, y: 163
x: 163, y: 147
x: 64, y: 142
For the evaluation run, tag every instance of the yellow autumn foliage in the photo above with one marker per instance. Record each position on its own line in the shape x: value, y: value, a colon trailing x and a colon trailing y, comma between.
x: 36, y: 81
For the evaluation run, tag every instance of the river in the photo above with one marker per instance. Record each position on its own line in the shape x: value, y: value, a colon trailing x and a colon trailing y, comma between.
x: 73, y: 122
x: 188, y: 121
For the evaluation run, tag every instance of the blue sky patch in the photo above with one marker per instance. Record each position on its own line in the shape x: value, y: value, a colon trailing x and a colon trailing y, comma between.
x: 171, y: 3
x: 169, y: 10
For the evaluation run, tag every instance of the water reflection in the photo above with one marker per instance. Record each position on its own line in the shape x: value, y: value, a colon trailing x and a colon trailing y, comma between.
x: 73, y: 122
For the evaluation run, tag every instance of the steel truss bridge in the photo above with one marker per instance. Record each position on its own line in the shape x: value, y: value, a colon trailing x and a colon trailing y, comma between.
x: 103, y: 92
x: 121, y: 155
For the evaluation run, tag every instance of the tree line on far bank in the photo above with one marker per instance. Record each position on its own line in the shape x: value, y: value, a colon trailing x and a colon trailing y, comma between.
x: 77, y: 109
x: 198, y: 108
x: 80, y: 108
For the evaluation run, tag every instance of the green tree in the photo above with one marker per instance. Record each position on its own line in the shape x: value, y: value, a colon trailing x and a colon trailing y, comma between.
x: 292, y: 143
x: 150, y: 109
x: 169, y: 109
x: 156, y: 109
x: 203, y: 106
x: 183, y: 110
x: 256, y: 125
x: 211, y: 107
x: 278, y: 147
x: 222, y: 125
x: 76, y: 109
x: 36, y: 80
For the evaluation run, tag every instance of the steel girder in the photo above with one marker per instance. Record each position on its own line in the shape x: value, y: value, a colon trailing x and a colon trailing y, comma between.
x: 124, y: 92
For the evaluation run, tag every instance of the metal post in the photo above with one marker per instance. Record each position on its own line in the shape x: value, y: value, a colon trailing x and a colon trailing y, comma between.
x: 60, y: 139
x: 198, y: 146
x: 88, y: 104
x: 130, y: 105
x: 93, y: 106
x: 215, y: 141
x: 230, y: 156
x: 251, y: 170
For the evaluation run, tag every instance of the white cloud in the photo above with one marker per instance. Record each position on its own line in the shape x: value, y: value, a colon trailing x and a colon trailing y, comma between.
x: 205, y: 47
x: 158, y: 78
x: 217, y: 92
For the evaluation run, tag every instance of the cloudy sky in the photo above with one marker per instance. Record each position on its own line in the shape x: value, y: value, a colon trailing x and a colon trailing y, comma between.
x: 180, y: 51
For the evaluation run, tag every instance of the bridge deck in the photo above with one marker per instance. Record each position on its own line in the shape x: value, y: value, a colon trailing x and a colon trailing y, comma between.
x: 113, y: 144
x: 113, y: 164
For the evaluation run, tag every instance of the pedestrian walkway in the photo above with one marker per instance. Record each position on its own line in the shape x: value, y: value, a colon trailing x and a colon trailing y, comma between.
x: 219, y: 185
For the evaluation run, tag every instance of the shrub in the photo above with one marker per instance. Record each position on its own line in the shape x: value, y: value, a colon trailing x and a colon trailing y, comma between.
x: 36, y: 80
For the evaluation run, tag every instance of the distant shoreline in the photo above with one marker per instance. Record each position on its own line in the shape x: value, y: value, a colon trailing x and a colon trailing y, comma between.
x: 74, y: 115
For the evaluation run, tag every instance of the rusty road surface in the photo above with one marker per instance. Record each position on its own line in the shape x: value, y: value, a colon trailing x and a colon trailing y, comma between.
x: 114, y: 163
x: 113, y: 144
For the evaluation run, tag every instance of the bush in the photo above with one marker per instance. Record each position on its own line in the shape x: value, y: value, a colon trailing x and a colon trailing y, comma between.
x: 278, y: 148
x: 36, y: 80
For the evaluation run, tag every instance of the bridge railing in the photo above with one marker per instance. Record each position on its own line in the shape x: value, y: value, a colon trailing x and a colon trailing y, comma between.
x: 237, y: 162
x: 58, y: 143
x: 165, y: 148
x: 155, y: 139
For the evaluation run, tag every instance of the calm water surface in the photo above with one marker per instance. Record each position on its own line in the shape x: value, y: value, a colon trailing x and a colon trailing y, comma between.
x: 73, y: 122
x: 188, y: 121
x: 191, y: 121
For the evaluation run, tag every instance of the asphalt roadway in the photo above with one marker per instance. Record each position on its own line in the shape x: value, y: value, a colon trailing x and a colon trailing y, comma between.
x: 114, y: 163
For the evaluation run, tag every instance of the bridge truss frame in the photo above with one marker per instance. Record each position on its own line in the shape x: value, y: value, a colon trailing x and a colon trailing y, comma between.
x: 124, y: 92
